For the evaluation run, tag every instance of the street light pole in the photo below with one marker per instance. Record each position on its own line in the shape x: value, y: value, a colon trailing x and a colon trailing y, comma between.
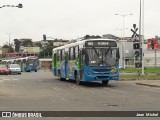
x: 19, y: 6
x: 9, y: 35
x: 123, y: 15
x: 121, y: 52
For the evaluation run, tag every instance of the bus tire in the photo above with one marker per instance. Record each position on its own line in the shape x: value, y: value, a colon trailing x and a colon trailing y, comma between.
x: 77, y: 80
x: 59, y: 75
x: 35, y: 70
x: 105, y: 83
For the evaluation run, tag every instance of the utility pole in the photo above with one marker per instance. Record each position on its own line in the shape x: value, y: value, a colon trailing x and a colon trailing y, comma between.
x: 9, y: 34
x: 141, y: 36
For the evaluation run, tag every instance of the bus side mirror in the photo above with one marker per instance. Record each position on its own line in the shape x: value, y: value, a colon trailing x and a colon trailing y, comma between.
x: 83, y: 51
x: 117, y: 55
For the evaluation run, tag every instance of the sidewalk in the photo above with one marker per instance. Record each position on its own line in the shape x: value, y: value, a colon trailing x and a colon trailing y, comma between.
x: 150, y: 83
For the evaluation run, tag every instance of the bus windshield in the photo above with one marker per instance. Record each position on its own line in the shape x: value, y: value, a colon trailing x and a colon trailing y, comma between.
x: 32, y: 61
x: 101, y: 56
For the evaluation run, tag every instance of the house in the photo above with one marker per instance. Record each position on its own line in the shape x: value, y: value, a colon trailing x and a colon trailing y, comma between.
x: 56, y: 42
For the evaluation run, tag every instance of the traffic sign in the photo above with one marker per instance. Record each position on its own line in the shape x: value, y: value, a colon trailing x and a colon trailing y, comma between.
x: 135, y: 35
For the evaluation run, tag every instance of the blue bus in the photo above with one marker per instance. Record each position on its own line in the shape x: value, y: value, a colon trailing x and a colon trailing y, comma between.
x: 30, y: 63
x: 87, y: 60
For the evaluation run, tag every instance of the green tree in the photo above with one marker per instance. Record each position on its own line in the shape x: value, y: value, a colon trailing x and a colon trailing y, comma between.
x: 27, y: 42
x: 17, y: 45
x: 91, y: 36
x: 47, y: 51
x: 38, y: 44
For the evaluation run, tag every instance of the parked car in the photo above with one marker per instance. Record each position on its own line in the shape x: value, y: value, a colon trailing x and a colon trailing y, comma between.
x: 4, y: 70
x: 14, y: 68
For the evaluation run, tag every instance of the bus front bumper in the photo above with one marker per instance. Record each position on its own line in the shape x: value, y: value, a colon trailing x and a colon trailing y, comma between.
x: 101, y: 77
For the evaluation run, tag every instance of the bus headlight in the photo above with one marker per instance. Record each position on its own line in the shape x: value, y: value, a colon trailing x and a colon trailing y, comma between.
x: 113, y: 69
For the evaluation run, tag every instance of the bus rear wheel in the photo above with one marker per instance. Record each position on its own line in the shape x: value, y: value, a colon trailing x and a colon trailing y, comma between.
x: 105, y: 83
x: 77, y: 80
x: 60, y: 77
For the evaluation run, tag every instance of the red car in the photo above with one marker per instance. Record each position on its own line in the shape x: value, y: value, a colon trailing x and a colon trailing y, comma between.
x: 4, y: 70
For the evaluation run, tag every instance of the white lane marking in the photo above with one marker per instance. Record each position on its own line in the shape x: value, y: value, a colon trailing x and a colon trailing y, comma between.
x: 8, y: 79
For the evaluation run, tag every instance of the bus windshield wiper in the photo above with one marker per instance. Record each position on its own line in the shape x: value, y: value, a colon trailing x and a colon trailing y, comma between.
x: 95, y: 51
x: 97, y: 55
x: 106, y: 52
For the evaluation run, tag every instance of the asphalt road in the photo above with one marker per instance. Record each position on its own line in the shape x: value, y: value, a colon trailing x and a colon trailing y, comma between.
x: 40, y: 91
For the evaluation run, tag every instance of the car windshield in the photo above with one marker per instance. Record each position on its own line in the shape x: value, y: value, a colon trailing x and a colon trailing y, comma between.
x: 14, y: 66
x: 101, y: 56
x: 3, y: 66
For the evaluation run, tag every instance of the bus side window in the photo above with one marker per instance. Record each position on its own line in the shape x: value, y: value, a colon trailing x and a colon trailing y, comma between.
x: 67, y: 55
x: 63, y: 54
x: 76, y: 52
x: 59, y: 55
x: 71, y: 53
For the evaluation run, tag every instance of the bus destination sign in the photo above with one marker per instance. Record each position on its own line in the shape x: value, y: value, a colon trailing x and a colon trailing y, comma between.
x: 100, y: 44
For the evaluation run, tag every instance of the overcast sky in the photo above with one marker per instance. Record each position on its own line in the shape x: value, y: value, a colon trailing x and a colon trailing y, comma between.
x: 70, y: 19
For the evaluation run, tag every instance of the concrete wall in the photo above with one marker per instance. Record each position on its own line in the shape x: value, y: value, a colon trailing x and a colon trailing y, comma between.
x: 45, y: 63
x: 151, y: 57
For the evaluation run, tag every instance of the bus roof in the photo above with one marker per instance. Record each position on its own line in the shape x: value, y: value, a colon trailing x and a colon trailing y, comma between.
x: 82, y: 42
x: 22, y: 58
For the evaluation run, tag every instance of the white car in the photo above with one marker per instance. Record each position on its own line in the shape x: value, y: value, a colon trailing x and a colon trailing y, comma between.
x: 14, y: 68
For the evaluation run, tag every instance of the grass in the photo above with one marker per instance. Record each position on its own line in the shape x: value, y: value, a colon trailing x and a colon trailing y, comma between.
x: 146, y: 70
x: 137, y: 77
x: 151, y: 73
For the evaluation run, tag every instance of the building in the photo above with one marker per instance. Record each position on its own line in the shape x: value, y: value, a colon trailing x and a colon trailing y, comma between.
x: 110, y: 36
x: 45, y: 63
x: 56, y: 42
x: 4, y: 51
x: 18, y: 55
x: 0, y: 53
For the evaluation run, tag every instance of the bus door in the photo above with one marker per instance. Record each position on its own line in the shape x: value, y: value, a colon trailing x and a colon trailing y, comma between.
x: 55, y: 63
x: 66, y: 65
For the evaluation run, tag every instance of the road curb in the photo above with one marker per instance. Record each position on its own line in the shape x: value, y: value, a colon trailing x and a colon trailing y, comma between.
x: 150, y: 85
x: 122, y: 79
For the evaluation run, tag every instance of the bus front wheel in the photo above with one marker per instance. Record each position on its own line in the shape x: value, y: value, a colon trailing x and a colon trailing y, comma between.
x: 77, y: 80
x: 105, y: 83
